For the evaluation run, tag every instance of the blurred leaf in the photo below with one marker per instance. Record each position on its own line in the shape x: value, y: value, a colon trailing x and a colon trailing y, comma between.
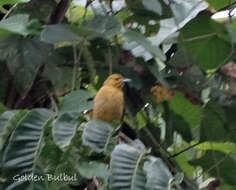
x: 97, y: 135
x: 192, y: 114
x: 8, y: 122
x: 126, y: 169
x: 106, y: 26
x: 220, y: 4
x: 182, y: 126
x: 64, y: 129
x: 202, y: 38
x: 2, y: 108
x: 224, y: 165
x: 20, y: 155
x: 212, y: 126
x: 140, y: 46
x: 158, y: 174
x: 75, y: 14
x: 16, y: 24
x: 184, y: 11
x: 93, y: 169
x: 167, y: 32
x: 58, y: 33
x: 182, y: 160
x: 76, y: 101
x: 24, y: 57
x: 226, y: 147
x: 153, y: 5
x: 12, y: 2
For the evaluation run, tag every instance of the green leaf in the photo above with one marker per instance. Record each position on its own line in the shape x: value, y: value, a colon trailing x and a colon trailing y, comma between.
x: 212, y: 126
x: 184, y: 11
x: 12, y: 2
x: 24, y: 57
x: 202, y: 38
x: 153, y: 5
x: 20, y: 155
x: 8, y: 122
x: 59, y: 33
x: 92, y: 169
x: 64, y: 129
x: 76, y: 101
x: 192, y: 114
x: 97, y: 135
x: 140, y: 46
x: 126, y: 169
x: 106, y: 26
x: 2, y: 108
x: 220, y: 4
x: 158, y: 175
x: 225, y: 165
x: 16, y: 24
x: 226, y: 147
x: 75, y: 14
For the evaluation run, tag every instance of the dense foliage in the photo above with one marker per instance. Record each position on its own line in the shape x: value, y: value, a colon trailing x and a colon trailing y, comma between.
x: 179, y: 128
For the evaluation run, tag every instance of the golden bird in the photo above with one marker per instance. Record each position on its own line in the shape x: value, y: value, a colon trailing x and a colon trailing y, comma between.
x: 109, y: 101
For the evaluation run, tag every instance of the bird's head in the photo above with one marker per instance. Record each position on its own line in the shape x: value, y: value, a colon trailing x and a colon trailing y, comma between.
x: 116, y: 80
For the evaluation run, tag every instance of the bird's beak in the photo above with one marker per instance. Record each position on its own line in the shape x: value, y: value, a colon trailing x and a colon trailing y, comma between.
x: 127, y: 80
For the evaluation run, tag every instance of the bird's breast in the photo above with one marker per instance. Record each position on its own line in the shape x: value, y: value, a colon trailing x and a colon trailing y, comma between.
x: 108, y: 104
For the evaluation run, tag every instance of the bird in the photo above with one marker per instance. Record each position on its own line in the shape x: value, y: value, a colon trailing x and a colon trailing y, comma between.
x: 109, y: 100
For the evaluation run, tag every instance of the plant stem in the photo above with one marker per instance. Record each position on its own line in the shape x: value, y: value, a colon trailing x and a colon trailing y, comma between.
x: 9, y: 11
x: 184, y: 150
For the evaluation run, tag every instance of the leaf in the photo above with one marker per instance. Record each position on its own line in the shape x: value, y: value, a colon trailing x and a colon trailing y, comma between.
x: 158, y: 175
x: 24, y: 57
x: 2, y: 108
x: 202, y: 38
x: 12, y: 2
x: 97, y: 135
x: 76, y: 101
x: 192, y: 114
x: 58, y: 33
x: 168, y: 31
x: 126, y: 170
x: 225, y: 165
x: 226, y: 147
x: 212, y: 126
x: 153, y: 5
x: 20, y: 155
x: 219, y: 4
x: 8, y: 122
x: 106, y: 26
x: 140, y: 46
x: 16, y: 24
x: 184, y: 11
x: 64, y: 129
x: 75, y: 14
x: 93, y: 169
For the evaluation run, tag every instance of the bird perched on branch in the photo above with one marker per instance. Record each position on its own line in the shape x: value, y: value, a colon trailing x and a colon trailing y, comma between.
x: 109, y: 101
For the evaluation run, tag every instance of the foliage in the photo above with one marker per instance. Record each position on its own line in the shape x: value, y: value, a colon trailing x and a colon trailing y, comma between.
x: 53, y: 62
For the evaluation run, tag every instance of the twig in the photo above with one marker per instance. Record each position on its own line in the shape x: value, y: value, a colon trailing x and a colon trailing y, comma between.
x: 110, y: 60
x: 184, y: 150
x: 9, y: 11
x: 125, y: 137
x: 215, y: 165
x: 54, y: 104
x: 76, y: 64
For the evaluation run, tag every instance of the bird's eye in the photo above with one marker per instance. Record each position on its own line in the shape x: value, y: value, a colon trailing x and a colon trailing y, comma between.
x: 116, y: 78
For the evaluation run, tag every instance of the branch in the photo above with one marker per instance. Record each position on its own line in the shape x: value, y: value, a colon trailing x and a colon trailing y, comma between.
x: 59, y: 12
